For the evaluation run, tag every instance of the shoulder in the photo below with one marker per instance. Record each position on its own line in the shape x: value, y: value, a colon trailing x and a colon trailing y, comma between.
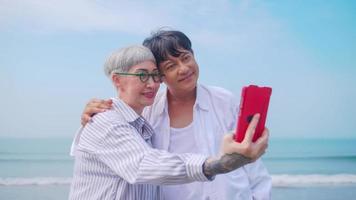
x: 218, y: 94
x: 222, y: 104
x: 100, y: 128
x: 106, y: 119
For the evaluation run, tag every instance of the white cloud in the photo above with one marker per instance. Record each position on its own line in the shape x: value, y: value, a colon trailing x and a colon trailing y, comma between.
x: 120, y: 15
x: 79, y: 15
x: 244, y: 28
x: 209, y: 22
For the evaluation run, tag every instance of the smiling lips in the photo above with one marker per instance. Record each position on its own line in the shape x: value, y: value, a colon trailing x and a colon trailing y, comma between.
x: 186, y: 77
x: 149, y: 95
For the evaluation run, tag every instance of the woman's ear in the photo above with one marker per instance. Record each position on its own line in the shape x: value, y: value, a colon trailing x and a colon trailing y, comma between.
x: 116, y: 80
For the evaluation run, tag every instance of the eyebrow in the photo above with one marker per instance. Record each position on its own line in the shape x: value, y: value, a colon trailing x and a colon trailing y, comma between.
x: 182, y: 53
x: 166, y: 62
x: 146, y: 70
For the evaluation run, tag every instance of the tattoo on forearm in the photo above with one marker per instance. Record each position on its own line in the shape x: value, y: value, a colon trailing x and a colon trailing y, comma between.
x: 224, y: 164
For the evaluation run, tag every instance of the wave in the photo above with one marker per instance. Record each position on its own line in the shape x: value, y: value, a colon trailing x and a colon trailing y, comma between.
x: 40, y: 181
x: 36, y: 160
x: 336, y: 157
x: 283, y: 180
x: 287, y: 180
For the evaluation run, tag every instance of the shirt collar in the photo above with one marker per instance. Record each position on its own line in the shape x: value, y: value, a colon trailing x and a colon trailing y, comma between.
x: 162, y: 103
x: 137, y: 121
x: 127, y: 112
x: 143, y: 127
x: 200, y: 102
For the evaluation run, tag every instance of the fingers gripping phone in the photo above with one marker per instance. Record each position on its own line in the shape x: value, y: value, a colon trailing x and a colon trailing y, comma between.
x: 254, y: 100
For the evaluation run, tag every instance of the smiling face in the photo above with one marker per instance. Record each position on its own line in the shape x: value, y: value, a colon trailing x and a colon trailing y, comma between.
x: 180, y: 73
x: 133, y: 91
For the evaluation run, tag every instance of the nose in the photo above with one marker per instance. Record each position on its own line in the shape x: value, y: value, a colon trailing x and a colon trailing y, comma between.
x: 183, y: 68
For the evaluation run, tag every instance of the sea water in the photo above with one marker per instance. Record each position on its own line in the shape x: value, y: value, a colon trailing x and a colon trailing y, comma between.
x: 300, y: 168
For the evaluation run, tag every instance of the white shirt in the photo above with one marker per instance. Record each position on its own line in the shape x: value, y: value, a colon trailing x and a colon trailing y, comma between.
x: 214, y: 113
x: 179, y: 144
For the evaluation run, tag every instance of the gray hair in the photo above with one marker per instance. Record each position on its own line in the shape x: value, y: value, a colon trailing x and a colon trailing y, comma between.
x: 123, y: 59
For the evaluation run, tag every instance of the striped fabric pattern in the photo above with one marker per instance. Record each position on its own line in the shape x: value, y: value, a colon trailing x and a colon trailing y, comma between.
x: 114, y: 159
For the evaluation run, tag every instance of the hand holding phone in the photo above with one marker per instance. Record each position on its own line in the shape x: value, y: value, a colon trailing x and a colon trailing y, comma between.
x: 254, y: 100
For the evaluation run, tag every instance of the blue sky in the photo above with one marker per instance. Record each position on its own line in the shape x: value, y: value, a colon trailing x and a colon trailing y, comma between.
x: 52, y: 52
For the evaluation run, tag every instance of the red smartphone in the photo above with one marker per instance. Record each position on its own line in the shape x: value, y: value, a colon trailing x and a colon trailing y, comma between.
x: 254, y: 100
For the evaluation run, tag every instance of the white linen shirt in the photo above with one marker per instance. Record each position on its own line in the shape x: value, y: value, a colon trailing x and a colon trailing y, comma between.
x: 214, y: 113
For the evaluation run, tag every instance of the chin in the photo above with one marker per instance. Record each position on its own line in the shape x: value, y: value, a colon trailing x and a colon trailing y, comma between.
x: 148, y: 102
x: 191, y: 85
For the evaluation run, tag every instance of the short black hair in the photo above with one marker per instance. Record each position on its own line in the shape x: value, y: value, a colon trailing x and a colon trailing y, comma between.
x: 167, y: 42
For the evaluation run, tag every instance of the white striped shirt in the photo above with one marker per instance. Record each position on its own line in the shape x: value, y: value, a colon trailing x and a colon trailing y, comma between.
x: 114, y: 159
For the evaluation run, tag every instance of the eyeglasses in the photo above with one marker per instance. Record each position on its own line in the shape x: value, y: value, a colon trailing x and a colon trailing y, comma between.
x: 144, y: 76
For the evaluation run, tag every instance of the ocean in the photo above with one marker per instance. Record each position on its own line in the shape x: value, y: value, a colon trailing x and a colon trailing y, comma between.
x: 301, y: 168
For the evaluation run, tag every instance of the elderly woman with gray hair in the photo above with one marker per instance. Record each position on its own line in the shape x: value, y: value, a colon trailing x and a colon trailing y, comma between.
x: 114, y: 157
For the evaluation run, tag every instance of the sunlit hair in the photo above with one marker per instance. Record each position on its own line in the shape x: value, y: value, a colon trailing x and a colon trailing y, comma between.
x: 164, y: 43
x: 123, y: 59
